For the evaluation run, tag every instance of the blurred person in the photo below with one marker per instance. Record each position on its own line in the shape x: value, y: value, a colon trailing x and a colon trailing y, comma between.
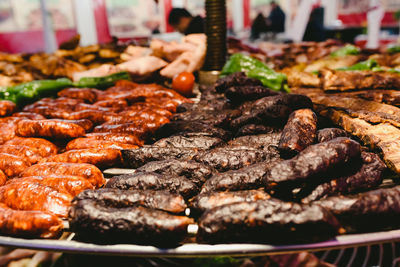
x: 259, y: 26
x: 315, y: 30
x: 276, y: 19
x: 182, y: 21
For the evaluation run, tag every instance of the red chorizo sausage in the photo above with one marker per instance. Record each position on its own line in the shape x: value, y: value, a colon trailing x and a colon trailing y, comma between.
x: 87, y: 171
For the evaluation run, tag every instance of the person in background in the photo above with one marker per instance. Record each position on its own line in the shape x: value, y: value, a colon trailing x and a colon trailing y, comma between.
x: 259, y: 26
x: 182, y: 21
x: 276, y: 19
x: 315, y: 30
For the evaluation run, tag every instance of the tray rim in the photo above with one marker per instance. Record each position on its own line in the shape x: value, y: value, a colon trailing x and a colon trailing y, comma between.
x: 199, y: 250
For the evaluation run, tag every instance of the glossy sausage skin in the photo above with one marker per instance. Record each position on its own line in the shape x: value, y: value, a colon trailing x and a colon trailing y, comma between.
x: 12, y: 165
x: 88, y: 95
x: 99, y: 157
x: 34, y: 196
x: 7, y: 108
x: 72, y: 185
x: 28, y: 115
x: 45, y: 147
x: 3, y: 178
x: 127, y: 128
x: 49, y: 128
x: 117, y: 137
x: 29, y: 223
x: 82, y: 143
x: 31, y: 154
x: 7, y: 131
x: 87, y: 171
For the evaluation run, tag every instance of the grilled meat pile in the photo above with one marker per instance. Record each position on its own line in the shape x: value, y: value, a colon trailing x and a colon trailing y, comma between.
x: 258, y: 187
x: 54, y: 149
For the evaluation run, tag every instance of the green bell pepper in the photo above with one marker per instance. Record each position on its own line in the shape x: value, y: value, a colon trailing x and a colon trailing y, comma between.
x: 102, y: 82
x: 346, y: 50
x: 256, y: 69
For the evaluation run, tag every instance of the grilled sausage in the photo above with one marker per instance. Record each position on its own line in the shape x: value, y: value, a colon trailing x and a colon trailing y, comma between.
x: 47, y: 148
x: 82, y: 143
x: 99, y: 157
x: 117, y: 137
x: 31, y: 154
x: 29, y: 115
x: 49, y: 128
x: 117, y: 198
x: 34, y: 196
x: 7, y: 108
x: 88, y: 171
x: 29, y: 223
x: 7, y: 131
x: 12, y: 165
x: 299, y: 132
x: 72, y: 185
x: 89, y: 95
x: 3, y: 178
x: 95, y: 222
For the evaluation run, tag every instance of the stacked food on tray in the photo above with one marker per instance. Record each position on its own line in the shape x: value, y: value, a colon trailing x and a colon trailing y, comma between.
x: 251, y: 162
x: 162, y: 60
x: 54, y: 148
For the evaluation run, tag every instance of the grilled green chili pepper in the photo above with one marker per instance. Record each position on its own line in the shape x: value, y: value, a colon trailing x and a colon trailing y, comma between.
x: 28, y: 92
x: 369, y: 64
x: 256, y: 69
x: 346, y: 50
x: 102, y: 82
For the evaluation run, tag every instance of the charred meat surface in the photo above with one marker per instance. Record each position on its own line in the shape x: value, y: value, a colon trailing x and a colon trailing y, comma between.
x: 117, y: 198
x: 232, y: 158
x: 266, y: 221
x: 372, y: 210
x: 207, y: 201
x: 217, y: 118
x: 271, y: 110
x: 183, y: 127
x: 312, y: 162
x: 196, y: 172
x: 260, y: 141
x: 299, y: 132
x: 254, y: 129
x: 199, y: 142
x: 139, y: 225
x: 369, y: 176
x: 154, y: 181
x: 328, y: 134
x: 236, y: 79
x: 250, y: 177
x: 136, y: 158
x: 239, y: 94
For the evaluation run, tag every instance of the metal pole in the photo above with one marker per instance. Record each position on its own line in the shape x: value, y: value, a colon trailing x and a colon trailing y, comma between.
x: 215, y: 29
x: 48, y: 31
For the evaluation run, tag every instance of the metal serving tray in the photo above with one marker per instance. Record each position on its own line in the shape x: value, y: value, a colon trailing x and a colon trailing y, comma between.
x: 199, y: 250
